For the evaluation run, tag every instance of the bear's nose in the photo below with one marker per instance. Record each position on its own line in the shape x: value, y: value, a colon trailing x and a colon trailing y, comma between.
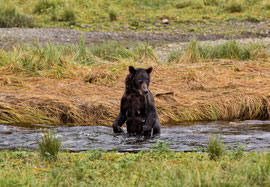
x: 145, y: 91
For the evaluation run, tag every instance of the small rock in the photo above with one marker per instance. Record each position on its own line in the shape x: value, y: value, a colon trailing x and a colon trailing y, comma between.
x: 84, y: 26
x: 165, y: 21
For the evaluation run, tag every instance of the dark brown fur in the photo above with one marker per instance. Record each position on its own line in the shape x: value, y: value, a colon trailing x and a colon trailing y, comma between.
x: 137, y: 105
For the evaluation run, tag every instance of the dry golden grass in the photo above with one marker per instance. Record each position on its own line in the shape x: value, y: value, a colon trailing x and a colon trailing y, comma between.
x: 218, y: 90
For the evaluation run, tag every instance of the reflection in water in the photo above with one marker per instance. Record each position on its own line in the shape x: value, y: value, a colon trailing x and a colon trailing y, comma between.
x: 252, y: 133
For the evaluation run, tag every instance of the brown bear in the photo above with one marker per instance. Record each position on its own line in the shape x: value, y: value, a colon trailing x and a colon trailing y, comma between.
x: 137, y: 105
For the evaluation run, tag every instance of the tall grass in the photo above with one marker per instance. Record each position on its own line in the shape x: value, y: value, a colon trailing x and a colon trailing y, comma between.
x: 68, y: 14
x: 228, y: 50
x: 46, y: 6
x: 215, y: 148
x: 233, y: 6
x: 266, y: 4
x: 49, y: 146
x: 10, y: 17
x: 114, y: 51
x: 63, y: 61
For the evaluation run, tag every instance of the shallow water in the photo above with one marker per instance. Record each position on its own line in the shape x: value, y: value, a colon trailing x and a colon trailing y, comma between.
x: 254, y: 134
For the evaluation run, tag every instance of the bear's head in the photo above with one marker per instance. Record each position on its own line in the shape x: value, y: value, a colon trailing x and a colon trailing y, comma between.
x: 138, y: 80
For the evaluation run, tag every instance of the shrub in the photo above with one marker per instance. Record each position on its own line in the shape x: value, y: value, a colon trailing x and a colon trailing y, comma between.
x: 68, y: 14
x: 9, y: 17
x: 44, y: 6
x: 112, y: 15
x: 215, y: 148
x: 49, y: 146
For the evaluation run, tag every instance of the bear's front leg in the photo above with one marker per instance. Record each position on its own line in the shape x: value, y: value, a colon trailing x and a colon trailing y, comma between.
x: 147, y: 128
x: 119, y: 121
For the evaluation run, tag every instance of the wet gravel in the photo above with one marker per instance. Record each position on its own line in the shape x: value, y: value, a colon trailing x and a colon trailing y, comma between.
x: 253, y: 134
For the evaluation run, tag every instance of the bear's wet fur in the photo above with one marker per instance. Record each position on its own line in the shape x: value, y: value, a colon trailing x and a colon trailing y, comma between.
x: 137, y: 107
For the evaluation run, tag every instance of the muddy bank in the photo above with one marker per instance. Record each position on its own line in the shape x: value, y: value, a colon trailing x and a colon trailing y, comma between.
x: 254, y: 135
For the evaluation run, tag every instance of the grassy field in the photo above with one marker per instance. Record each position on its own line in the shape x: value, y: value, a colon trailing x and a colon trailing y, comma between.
x: 155, y: 168
x: 80, y: 84
x: 122, y: 15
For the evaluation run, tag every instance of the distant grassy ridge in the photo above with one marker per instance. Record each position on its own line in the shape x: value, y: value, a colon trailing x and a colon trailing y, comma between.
x: 129, y: 14
x: 155, y: 168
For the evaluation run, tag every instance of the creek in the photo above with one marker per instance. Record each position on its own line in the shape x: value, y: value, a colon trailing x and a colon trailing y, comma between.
x: 253, y: 134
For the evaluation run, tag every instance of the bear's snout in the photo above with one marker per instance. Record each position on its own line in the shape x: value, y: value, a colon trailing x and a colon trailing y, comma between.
x: 144, y: 89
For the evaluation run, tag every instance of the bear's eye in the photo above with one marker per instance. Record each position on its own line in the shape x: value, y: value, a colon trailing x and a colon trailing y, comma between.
x: 140, y: 82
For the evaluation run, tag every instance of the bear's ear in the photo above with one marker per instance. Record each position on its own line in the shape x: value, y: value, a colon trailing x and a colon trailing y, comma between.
x: 131, y: 69
x: 149, y: 70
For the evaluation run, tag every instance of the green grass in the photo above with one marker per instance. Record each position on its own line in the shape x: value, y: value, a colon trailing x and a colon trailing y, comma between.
x: 228, y: 50
x: 136, y: 15
x: 233, y: 6
x: 49, y: 146
x: 46, y: 6
x: 11, y: 17
x: 266, y: 4
x: 112, y: 15
x: 61, y: 61
x: 215, y: 148
x: 68, y: 15
x: 95, y: 168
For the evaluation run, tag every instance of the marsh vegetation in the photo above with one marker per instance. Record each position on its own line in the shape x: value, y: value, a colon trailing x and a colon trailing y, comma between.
x: 104, y: 67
